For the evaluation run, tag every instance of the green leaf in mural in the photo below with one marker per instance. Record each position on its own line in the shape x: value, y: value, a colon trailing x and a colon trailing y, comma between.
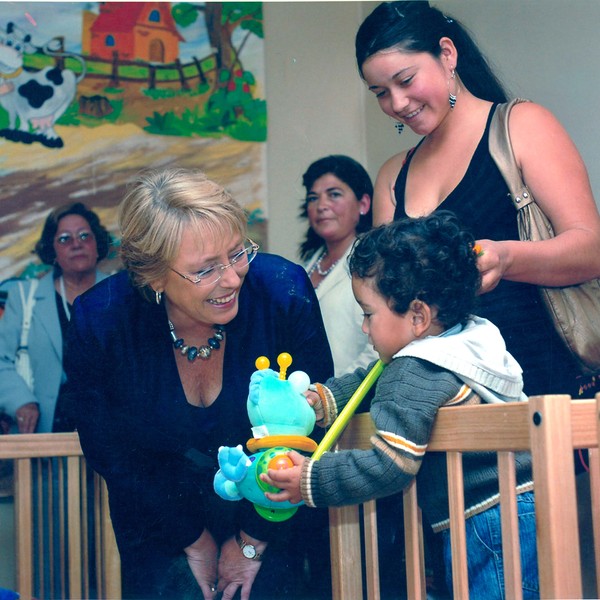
x: 185, y: 14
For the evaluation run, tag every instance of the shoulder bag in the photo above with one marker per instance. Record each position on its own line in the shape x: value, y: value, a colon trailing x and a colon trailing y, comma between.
x: 22, y: 362
x: 575, y: 309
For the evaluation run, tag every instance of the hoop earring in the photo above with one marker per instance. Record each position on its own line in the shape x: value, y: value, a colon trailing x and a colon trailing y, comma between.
x: 451, y: 96
x: 158, y: 296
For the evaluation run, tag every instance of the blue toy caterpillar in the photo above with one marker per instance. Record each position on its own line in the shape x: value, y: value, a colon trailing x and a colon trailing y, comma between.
x: 281, y: 420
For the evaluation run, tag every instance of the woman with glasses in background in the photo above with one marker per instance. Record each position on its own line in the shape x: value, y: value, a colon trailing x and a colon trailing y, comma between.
x: 159, y: 363
x: 73, y: 241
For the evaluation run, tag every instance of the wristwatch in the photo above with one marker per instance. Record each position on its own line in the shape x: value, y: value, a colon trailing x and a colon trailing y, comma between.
x: 248, y: 550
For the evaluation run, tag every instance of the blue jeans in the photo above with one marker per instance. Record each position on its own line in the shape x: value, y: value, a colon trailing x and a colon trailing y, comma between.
x: 484, y: 552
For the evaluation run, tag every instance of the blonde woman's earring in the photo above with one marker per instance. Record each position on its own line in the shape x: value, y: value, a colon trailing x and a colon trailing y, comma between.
x: 158, y: 296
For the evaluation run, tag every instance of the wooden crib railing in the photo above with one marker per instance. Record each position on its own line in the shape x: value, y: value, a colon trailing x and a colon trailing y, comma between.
x: 549, y: 426
x: 51, y: 478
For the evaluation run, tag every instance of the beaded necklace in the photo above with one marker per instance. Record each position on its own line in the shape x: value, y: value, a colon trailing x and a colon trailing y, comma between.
x: 317, y: 266
x: 204, y: 352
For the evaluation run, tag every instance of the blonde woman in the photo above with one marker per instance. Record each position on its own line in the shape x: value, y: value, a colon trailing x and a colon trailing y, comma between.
x: 158, y: 378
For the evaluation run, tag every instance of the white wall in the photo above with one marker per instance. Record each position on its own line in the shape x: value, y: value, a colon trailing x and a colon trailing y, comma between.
x: 542, y: 49
x: 315, y: 103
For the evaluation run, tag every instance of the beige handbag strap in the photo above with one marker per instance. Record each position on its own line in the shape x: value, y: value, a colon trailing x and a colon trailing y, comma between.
x: 501, y: 151
x: 27, y: 311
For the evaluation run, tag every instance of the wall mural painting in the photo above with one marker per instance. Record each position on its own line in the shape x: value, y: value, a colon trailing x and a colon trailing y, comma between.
x: 91, y: 93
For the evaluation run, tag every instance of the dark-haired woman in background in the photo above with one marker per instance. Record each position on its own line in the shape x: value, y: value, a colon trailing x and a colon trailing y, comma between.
x: 338, y: 207
x: 73, y: 241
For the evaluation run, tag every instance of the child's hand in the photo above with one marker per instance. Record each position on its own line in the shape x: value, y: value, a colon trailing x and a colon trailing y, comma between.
x: 288, y: 480
x: 315, y: 401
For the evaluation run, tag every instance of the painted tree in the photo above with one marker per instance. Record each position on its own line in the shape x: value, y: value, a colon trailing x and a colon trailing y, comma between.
x: 222, y: 19
x: 231, y: 107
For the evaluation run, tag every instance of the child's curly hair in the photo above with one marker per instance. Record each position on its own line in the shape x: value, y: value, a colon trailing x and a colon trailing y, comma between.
x: 427, y: 258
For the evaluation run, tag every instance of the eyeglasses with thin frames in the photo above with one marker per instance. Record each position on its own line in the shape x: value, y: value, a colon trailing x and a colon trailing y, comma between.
x: 211, y: 275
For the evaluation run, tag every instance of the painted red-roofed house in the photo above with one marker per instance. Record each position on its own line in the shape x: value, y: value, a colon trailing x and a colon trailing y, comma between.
x: 136, y: 30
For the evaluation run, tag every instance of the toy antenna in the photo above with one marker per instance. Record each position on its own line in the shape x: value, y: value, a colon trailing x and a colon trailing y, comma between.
x: 284, y: 360
x: 262, y: 362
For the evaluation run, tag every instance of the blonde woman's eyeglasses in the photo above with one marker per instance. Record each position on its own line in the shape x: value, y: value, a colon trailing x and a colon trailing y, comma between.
x: 212, y: 274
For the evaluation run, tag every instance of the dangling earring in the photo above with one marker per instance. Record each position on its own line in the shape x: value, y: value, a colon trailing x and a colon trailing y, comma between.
x: 158, y: 296
x: 398, y: 125
x: 451, y: 96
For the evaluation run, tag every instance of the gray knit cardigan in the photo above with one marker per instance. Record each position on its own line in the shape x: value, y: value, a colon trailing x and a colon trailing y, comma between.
x: 403, y: 407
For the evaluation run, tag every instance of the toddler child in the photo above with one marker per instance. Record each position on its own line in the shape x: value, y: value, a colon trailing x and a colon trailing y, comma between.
x: 416, y: 281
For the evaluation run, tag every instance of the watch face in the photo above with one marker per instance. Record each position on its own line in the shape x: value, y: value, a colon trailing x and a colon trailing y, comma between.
x: 249, y: 551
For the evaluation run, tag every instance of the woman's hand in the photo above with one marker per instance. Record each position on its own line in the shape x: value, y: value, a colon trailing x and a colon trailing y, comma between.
x: 492, y: 262
x: 28, y: 416
x: 202, y: 559
x: 235, y: 570
x: 287, y: 480
x: 317, y: 404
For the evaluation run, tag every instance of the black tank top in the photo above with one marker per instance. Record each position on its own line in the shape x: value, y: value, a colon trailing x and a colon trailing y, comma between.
x: 482, y: 203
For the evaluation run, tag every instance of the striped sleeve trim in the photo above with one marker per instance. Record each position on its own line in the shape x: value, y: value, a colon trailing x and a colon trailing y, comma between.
x: 407, y: 463
x: 306, y: 483
x: 401, y: 443
x: 329, y: 406
x: 464, y: 396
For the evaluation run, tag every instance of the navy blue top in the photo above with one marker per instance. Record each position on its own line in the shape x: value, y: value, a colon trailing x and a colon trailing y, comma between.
x: 137, y: 428
x: 482, y: 203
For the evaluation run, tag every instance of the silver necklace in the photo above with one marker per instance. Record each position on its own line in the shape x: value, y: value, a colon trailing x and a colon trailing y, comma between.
x: 320, y: 271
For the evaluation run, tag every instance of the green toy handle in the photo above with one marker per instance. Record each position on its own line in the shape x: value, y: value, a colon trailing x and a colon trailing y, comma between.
x: 344, y: 417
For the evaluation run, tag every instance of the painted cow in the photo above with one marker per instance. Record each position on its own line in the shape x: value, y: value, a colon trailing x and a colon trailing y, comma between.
x: 33, y: 100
